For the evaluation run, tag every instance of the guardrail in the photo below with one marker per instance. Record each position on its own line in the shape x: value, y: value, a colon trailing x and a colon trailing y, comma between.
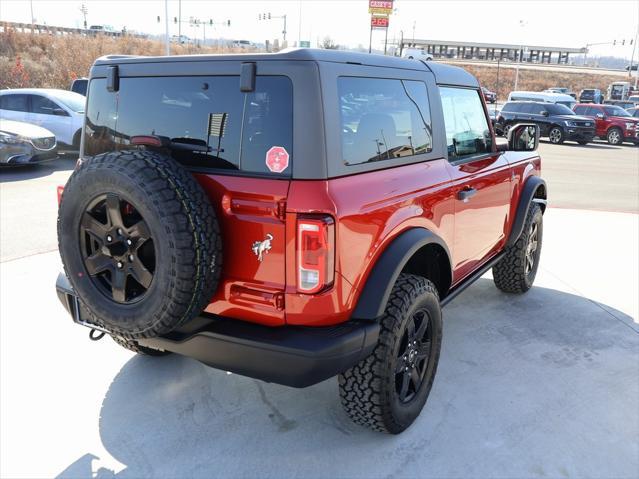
x: 36, y: 28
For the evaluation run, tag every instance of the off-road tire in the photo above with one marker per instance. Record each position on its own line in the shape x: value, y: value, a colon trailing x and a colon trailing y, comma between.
x: 614, y: 136
x: 136, y: 348
x: 181, y: 222
x: 509, y: 274
x: 367, y: 390
x: 556, y: 135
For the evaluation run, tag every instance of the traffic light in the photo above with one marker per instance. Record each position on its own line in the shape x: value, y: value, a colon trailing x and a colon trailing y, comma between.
x: 174, y: 19
x: 614, y: 42
x: 228, y: 23
x: 269, y: 15
x: 158, y: 18
x: 623, y: 42
x: 210, y: 21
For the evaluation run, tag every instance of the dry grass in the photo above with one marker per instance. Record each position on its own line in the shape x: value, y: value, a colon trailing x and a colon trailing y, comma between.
x: 53, y: 61
x: 537, y: 80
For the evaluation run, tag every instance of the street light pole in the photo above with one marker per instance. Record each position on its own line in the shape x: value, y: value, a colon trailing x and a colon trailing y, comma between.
x: 522, y: 23
x: 32, y: 17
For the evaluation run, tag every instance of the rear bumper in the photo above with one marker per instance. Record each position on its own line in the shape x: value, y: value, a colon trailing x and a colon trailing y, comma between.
x: 290, y: 355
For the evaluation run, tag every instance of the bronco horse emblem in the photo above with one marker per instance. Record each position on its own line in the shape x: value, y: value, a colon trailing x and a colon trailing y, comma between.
x: 262, y: 247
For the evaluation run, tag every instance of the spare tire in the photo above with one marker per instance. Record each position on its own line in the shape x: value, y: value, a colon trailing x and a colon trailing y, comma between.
x: 139, y: 241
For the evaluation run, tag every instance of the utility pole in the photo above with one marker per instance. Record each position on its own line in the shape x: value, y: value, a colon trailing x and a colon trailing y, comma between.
x: 522, y: 24
x: 180, y: 21
x: 32, y: 17
x: 84, y: 11
x: 166, y: 27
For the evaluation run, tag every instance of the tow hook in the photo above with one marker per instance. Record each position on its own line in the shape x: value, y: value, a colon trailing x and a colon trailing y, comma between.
x: 95, y: 335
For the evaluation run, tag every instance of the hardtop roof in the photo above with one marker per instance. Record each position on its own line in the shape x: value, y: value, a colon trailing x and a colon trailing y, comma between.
x: 444, y: 74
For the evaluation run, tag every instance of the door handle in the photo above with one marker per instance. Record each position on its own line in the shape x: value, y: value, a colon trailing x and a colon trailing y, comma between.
x: 466, y: 194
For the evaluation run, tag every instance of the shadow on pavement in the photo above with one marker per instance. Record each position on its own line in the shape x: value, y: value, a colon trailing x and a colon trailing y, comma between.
x: 28, y: 172
x: 527, y: 385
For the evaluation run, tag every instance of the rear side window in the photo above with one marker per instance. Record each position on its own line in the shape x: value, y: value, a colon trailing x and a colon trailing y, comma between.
x: 42, y: 105
x: 511, y: 107
x: 14, y: 102
x: 205, y: 122
x: 581, y: 110
x: 467, y: 131
x: 382, y: 119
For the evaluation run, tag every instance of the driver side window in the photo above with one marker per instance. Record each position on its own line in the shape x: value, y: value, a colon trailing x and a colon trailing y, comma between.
x: 467, y: 130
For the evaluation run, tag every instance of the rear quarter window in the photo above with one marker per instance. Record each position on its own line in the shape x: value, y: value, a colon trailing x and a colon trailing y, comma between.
x: 382, y: 119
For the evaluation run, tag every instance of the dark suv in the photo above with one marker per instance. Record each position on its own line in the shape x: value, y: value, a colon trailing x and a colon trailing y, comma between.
x: 591, y: 95
x: 294, y: 216
x: 557, y: 122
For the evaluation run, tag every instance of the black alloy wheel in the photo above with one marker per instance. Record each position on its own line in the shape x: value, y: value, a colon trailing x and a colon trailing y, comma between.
x: 117, y: 248
x: 413, y: 357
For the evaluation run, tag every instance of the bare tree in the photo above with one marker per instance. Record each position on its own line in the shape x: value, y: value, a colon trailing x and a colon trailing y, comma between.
x: 329, y: 44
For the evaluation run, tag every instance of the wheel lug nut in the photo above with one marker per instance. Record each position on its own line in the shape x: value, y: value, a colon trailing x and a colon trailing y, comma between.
x: 109, y: 238
x: 129, y: 242
x: 119, y: 264
x: 131, y: 257
x: 119, y: 231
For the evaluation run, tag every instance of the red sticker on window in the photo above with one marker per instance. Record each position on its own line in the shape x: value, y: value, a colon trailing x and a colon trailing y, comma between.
x: 277, y: 159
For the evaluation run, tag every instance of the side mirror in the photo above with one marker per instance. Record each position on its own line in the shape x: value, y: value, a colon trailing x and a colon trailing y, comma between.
x: 523, y: 137
x: 59, y: 112
x: 600, y: 116
x: 544, y: 113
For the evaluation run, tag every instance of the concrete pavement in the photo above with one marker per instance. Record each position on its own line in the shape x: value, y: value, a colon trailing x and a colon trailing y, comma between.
x: 540, y: 385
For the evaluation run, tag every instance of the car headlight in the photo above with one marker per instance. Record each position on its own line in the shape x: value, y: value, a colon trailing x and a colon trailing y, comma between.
x: 630, y: 126
x: 570, y: 123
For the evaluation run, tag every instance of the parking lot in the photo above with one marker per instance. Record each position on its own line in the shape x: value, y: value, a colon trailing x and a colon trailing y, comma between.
x: 540, y: 385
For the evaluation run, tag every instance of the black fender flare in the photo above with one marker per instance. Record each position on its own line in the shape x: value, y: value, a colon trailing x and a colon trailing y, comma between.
x: 374, y: 296
x: 526, y: 197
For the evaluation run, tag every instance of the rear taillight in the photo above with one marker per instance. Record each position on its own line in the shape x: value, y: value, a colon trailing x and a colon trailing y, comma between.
x: 315, y: 253
x: 60, y: 191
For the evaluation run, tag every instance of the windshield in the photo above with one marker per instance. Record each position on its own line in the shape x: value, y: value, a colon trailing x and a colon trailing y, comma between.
x: 558, y: 109
x: 616, y: 111
x: 71, y: 100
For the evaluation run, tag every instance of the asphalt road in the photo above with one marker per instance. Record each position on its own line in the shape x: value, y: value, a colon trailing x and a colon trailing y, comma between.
x: 540, y: 385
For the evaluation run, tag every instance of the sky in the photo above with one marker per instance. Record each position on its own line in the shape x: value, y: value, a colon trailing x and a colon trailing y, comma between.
x: 565, y: 23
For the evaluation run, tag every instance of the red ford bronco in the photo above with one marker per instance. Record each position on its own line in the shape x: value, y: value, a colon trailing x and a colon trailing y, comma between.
x: 294, y: 216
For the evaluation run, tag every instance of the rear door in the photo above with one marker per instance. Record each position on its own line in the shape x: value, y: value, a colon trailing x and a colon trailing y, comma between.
x: 14, y: 106
x: 481, y: 180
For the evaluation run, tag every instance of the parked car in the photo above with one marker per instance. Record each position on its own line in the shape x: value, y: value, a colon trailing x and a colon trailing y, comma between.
x: 634, y: 99
x: 221, y: 232
x: 417, y: 54
x: 59, y: 111
x: 619, y: 90
x: 557, y: 122
x: 591, y: 95
x: 547, y: 97
x: 612, y: 123
x: 25, y: 144
x: 79, y: 85
x: 625, y: 104
x: 489, y: 96
x: 634, y: 112
x: 562, y: 90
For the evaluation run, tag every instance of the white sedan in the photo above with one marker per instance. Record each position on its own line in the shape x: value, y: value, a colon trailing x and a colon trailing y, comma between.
x: 59, y: 111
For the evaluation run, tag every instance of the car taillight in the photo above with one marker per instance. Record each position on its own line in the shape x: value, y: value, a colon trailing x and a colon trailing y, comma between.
x: 315, y: 253
x: 60, y: 191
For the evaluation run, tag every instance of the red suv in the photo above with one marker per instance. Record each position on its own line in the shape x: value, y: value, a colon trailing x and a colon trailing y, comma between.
x: 612, y: 123
x: 294, y: 216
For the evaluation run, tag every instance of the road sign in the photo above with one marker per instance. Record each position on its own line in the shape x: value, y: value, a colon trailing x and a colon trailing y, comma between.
x: 305, y: 44
x: 380, y: 7
x: 379, y: 21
